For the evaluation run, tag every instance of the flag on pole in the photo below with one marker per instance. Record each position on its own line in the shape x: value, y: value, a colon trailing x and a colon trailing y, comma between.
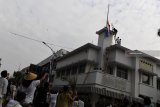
x: 107, y: 24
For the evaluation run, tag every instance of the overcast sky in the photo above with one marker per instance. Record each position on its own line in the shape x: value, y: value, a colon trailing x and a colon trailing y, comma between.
x: 70, y: 24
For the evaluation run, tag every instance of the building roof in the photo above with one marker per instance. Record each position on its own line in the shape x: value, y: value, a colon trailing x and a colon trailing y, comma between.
x: 141, y: 54
x: 45, y: 61
x: 102, y: 30
x: 117, y: 46
x: 82, y: 48
x: 148, y: 56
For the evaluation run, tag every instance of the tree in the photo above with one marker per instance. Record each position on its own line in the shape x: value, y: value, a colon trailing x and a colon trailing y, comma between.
x: 18, y: 76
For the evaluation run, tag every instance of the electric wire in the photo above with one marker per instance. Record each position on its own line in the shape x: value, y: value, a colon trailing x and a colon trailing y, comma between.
x: 20, y: 35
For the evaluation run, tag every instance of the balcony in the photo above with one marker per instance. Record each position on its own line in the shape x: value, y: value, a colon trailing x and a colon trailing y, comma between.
x: 116, y: 83
x: 99, y: 78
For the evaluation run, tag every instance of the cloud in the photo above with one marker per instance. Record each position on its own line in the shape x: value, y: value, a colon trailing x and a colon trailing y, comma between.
x: 72, y: 23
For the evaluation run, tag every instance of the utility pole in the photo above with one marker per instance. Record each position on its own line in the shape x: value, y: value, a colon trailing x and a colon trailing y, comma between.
x: 51, y: 62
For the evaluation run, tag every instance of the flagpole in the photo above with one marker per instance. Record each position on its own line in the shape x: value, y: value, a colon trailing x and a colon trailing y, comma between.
x: 107, y: 15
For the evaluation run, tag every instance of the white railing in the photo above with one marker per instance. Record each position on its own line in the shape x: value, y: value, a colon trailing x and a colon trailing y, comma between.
x: 102, y: 79
x: 116, y: 82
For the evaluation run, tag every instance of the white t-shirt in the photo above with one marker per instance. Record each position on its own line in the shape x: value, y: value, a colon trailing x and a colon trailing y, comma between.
x: 13, y: 103
x: 80, y: 103
x: 3, y: 86
x: 12, y: 87
x: 53, y: 98
x: 30, y: 91
x: 75, y: 104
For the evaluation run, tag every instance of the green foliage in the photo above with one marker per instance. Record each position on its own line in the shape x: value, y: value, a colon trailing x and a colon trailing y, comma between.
x: 18, y: 76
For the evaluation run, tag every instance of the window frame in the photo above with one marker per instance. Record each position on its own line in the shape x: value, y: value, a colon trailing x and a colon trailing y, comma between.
x: 81, y: 68
x: 150, y: 79
x: 158, y: 86
x: 122, y: 73
x: 110, y: 70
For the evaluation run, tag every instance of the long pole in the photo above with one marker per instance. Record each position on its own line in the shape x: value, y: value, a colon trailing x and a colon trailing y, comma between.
x: 107, y: 22
x: 51, y: 60
x: 48, y: 47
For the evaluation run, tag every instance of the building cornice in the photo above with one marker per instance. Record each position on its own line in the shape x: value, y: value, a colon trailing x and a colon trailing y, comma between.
x: 147, y: 72
x: 116, y: 63
x: 82, y: 48
x: 77, y: 63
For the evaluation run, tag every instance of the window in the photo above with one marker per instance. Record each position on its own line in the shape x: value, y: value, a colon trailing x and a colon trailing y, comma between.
x: 110, y: 70
x: 58, y: 74
x: 122, y: 73
x: 68, y: 71
x: 147, y: 79
x: 158, y: 84
x: 74, y: 70
x: 145, y: 65
x: 82, y: 68
x: 63, y: 73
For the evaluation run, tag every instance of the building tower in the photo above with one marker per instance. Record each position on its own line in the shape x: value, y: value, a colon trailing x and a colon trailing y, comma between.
x: 105, y: 40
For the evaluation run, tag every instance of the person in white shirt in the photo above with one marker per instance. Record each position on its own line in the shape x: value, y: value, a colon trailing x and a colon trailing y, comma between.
x: 29, y: 85
x: 52, y: 98
x: 75, y: 104
x: 19, y: 99
x: 3, y: 86
x: 78, y: 103
x: 13, y: 89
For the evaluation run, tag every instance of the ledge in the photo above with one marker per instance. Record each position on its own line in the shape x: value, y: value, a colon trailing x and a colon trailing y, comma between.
x: 147, y: 72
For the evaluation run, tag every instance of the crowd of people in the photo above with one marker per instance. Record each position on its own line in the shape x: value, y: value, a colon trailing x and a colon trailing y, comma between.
x: 35, y: 91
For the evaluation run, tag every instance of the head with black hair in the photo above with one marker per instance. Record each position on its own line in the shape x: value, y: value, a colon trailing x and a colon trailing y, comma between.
x: 147, y: 101
x: 125, y: 102
x: 20, y: 96
x: 65, y: 88
x: 26, y: 83
x: 4, y: 73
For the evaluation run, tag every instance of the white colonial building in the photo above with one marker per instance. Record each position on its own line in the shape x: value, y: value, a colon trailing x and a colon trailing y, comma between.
x: 109, y: 72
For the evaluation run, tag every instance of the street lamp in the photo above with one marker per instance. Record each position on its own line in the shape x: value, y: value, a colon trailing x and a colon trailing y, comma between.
x: 51, y: 61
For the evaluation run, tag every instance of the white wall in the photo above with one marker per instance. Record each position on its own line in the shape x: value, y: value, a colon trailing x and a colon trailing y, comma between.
x: 144, y: 89
x: 100, y: 80
x: 103, y: 42
x: 113, y: 82
x: 73, y: 59
x: 90, y: 54
x: 158, y: 95
x: 123, y: 58
x: 148, y: 91
x: 112, y: 55
x: 93, y: 55
x: 81, y: 79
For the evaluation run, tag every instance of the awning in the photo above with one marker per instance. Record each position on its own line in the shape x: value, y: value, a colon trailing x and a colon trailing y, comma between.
x: 147, y: 72
x: 115, y: 63
x: 102, y: 91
